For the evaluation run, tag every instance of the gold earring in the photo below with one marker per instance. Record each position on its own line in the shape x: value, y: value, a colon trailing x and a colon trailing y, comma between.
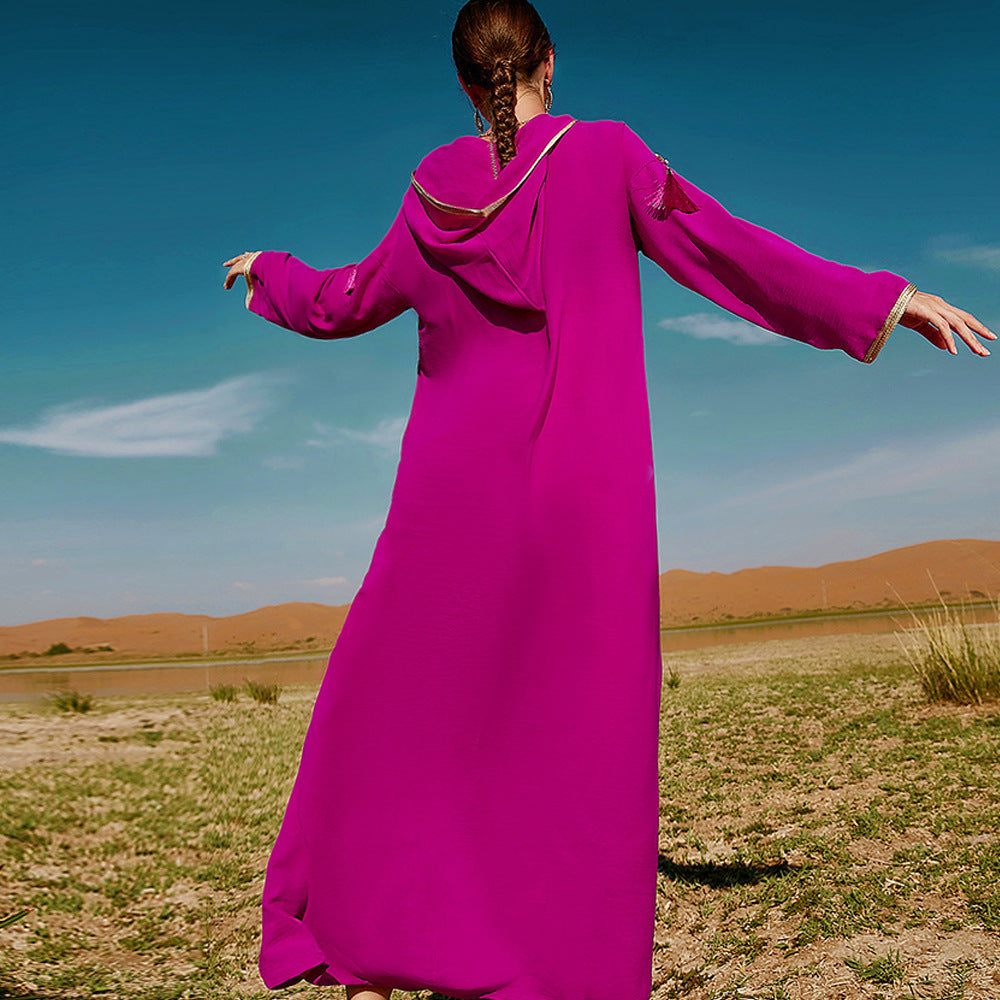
x: 480, y: 124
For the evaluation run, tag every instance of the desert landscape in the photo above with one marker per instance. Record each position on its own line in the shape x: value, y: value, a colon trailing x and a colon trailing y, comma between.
x: 826, y: 833
x: 957, y: 570
x: 827, y: 820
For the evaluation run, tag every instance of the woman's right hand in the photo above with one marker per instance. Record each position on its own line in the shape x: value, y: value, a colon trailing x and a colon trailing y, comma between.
x: 935, y: 319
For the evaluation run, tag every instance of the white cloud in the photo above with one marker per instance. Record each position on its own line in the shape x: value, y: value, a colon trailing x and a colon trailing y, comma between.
x: 241, y: 585
x: 708, y: 326
x: 952, y: 470
x: 982, y: 255
x: 322, y: 581
x: 175, y: 424
x: 385, y: 435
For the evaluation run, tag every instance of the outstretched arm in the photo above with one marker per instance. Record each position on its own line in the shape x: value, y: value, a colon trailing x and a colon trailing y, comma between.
x: 769, y: 280
x: 340, y: 302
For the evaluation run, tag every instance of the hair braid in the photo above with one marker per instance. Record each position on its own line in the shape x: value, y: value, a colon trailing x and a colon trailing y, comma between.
x: 503, y: 99
x: 495, y: 43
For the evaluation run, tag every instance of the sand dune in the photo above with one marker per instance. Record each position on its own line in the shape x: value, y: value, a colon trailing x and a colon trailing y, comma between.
x: 962, y: 569
x: 299, y: 626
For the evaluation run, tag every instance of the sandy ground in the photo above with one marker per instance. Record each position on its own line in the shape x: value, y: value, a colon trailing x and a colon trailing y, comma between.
x: 946, y: 958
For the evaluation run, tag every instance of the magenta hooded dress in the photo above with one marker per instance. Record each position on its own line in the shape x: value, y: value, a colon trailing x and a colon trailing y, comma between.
x: 476, y: 808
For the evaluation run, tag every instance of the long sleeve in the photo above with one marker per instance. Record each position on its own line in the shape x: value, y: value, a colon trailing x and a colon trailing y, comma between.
x: 752, y: 272
x: 324, y: 304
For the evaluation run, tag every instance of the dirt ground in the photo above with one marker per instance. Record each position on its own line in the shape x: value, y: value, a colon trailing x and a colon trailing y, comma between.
x: 811, y: 814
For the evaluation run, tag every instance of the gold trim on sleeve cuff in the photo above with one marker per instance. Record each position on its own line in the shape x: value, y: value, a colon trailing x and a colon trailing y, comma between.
x: 247, y: 265
x: 895, y: 315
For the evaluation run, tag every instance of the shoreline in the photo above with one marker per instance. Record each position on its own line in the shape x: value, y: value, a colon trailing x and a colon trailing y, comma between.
x: 41, y: 663
x: 830, y: 614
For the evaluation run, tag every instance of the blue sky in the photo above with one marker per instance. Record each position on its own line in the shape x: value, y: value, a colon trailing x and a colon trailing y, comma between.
x: 162, y: 449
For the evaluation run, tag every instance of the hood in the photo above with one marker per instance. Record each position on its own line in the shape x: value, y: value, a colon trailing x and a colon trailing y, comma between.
x: 487, y: 231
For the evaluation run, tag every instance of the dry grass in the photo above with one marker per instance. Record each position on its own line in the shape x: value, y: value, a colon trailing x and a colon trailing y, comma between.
x: 223, y: 692
x: 825, y: 833
x: 955, y: 661
x: 263, y: 694
x: 825, y: 830
x: 71, y: 701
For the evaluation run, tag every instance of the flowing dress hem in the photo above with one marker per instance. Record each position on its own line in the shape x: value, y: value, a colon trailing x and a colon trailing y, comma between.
x: 296, y: 956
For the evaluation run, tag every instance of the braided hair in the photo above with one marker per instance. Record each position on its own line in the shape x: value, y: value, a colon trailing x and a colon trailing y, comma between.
x: 494, y: 44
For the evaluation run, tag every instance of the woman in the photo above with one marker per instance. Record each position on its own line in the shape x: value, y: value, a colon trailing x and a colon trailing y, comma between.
x: 476, y: 808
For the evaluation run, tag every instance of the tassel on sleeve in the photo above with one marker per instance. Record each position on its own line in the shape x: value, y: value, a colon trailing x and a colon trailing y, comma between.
x: 668, y: 195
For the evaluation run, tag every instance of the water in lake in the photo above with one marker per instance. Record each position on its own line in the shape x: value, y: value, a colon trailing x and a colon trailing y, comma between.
x: 27, y: 683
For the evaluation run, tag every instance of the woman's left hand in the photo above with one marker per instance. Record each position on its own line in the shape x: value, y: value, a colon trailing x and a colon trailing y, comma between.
x: 935, y: 319
x: 236, y: 270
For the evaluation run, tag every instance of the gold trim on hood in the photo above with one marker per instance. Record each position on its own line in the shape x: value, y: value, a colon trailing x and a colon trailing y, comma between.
x: 491, y: 208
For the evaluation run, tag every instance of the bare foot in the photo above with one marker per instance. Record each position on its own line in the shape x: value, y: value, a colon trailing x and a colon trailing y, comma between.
x: 358, y: 992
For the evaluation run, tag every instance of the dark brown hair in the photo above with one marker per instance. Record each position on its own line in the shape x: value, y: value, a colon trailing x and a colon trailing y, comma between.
x: 494, y: 44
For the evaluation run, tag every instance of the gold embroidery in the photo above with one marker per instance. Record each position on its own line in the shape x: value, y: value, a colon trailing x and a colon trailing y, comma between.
x: 895, y: 315
x: 489, y: 209
x: 490, y: 138
x: 247, y: 264
x: 493, y: 157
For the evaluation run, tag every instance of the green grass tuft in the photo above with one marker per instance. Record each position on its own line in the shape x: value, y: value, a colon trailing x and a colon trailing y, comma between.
x: 885, y: 969
x: 223, y: 692
x: 263, y: 694
x: 953, y: 660
x: 72, y: 701
x: 12, y: 918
